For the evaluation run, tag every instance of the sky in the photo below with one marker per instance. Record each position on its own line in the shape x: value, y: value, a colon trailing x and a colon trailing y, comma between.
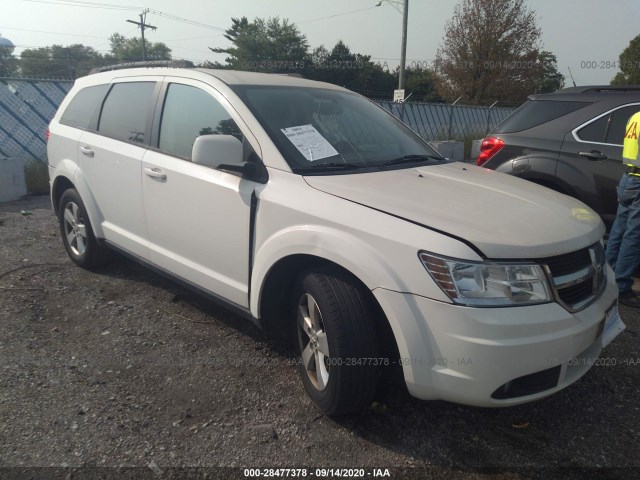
x: 587, y: 36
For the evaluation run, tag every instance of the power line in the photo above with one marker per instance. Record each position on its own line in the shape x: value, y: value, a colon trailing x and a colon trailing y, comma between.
x: 52, y: 33
x: 336, y: 15
x: 85, y: 4
x: 186, y: 20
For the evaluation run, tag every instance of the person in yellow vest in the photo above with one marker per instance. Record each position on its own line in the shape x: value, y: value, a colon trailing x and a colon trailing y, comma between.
x: 623, y: 247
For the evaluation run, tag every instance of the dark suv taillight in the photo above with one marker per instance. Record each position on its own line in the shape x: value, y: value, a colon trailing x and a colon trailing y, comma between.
x: 47, y: 134
x: 490, y: 146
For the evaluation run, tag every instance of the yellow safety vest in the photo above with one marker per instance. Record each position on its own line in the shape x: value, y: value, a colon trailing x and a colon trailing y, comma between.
x: 630, y: 148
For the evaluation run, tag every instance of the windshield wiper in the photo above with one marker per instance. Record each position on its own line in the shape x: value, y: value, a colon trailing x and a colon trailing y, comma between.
x: 411, y: 159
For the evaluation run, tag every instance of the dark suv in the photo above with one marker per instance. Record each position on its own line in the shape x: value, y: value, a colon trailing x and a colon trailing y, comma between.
x: 570, y: 141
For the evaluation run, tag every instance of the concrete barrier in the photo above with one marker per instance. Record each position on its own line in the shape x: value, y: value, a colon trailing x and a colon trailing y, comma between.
x: 450, y: 149
x: 12, y: 183
x: 475, y: 148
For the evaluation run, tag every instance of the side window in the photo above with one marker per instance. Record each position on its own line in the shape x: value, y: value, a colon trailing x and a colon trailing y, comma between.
x: 125, y: 111
x: 618, y: 123
x: 80, y: 110
x: 189, y: 113
x: 610, y: 128
x: 595, y: 131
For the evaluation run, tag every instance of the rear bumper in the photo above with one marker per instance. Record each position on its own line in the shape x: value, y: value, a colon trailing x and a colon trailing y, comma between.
x: 465, y: 355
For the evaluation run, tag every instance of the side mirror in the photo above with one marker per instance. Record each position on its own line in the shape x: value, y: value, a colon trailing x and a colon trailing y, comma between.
x: 217, y: 150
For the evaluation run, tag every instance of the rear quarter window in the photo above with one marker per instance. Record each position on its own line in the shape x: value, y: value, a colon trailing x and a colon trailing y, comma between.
x: 609, y: 128
x: 537, y: 112
x: 82, y: 107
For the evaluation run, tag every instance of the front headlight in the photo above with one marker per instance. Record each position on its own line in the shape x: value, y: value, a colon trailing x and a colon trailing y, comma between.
x: 488, y: 284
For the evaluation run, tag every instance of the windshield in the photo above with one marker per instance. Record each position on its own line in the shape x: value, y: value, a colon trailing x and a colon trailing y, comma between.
x: 322, y: 131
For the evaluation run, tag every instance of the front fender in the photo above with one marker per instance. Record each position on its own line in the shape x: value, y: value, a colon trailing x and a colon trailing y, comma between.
x: 337, y: 246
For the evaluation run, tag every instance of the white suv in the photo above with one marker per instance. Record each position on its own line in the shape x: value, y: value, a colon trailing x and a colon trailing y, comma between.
x: 312, y: 211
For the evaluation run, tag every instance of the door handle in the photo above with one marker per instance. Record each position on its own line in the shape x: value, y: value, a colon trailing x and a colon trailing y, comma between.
x: 155, y: 173
x: 593, y: 155
x: 87, y: 151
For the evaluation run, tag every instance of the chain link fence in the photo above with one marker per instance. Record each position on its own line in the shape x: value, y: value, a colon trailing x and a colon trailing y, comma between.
x: 27, y: 107
x: 437, y: 121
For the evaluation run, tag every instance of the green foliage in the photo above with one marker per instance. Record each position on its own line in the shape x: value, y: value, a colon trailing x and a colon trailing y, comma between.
x: 491, y: 51
x: 351, y: 70
x: 421, y: 84
x: 8, y: 64
x: 57, y: 61
x: 629, y: 65
x: 77, y: 60
x: 271, y: 45
x: 550, y: 78
x: 130, y: 50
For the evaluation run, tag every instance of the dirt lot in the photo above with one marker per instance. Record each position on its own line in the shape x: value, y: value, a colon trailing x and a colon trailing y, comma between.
x: 122, y: 368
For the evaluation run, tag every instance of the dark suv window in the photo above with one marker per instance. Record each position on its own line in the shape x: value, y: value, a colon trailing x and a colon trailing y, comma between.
x: 125, y: 111
x: 189, y: 113
x: 609, y: 128
x: 81, y: 109
x: 537, y: 112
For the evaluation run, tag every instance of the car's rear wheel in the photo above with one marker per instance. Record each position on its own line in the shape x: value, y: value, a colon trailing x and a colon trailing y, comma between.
x: 335, y: 342
x: 77, y: 233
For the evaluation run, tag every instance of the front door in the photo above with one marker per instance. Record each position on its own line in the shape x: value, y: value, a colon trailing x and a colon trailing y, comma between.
x: 198, y: 217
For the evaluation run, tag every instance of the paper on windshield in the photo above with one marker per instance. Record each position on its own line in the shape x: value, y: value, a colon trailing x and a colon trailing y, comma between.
x: 310, y: 142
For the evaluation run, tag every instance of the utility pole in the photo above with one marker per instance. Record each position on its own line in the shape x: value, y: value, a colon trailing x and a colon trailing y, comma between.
x: 143, y: 25
x: 69, y: 67
x: 403, y: 50
x: 403, y: 54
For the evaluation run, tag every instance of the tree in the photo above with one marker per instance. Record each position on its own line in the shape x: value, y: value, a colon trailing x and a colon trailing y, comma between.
x: 56, y: 61
x: 272, y: 45
x: 550, y: 79
x: 130, y: 49
x: 421, y: 85
x: 8, y: 63
x: 629, y: 73
x: 351, y: 70
x: 491, y: 51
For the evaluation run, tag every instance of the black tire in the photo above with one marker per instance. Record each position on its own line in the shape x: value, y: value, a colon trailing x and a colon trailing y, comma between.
x: 344, y: 317
x: 77, y: 232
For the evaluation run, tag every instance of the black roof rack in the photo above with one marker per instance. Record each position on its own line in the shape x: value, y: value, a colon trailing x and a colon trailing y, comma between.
x: 147, y: 64
x: 600, y: 88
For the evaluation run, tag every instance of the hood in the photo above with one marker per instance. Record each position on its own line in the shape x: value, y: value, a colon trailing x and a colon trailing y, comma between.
x: 501, y: 215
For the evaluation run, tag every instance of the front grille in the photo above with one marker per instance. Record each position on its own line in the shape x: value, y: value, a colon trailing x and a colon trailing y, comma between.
x: 569, y: 262
x: 578, y: 277
x: 529, y: 384
x: 576, y: 293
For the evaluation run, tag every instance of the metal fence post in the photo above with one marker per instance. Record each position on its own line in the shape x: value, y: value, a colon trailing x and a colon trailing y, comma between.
x: 489, y: 117
x: 451, y: 116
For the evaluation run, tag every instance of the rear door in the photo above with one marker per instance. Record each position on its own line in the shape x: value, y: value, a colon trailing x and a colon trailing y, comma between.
x: 593, y: 152
x: 110, y: 158
x: 198, y: 217
x: 77, y: 118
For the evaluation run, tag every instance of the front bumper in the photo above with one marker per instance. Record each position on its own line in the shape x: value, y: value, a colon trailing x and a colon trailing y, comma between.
x: 465, y: 355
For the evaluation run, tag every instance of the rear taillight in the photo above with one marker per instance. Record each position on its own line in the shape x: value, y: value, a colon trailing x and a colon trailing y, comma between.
x: 47, y: 134
x: 490, y: 146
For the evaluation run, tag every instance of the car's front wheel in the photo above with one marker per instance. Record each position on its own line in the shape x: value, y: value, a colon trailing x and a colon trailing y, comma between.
x: 335, y: 341
x: 76, y: 231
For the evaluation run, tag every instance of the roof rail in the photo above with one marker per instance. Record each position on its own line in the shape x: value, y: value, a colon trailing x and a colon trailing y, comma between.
x: 147, y: 64
x: 600, y: 88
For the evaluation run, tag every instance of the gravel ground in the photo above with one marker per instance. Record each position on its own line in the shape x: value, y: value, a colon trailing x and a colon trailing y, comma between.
x: 123, y: 368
